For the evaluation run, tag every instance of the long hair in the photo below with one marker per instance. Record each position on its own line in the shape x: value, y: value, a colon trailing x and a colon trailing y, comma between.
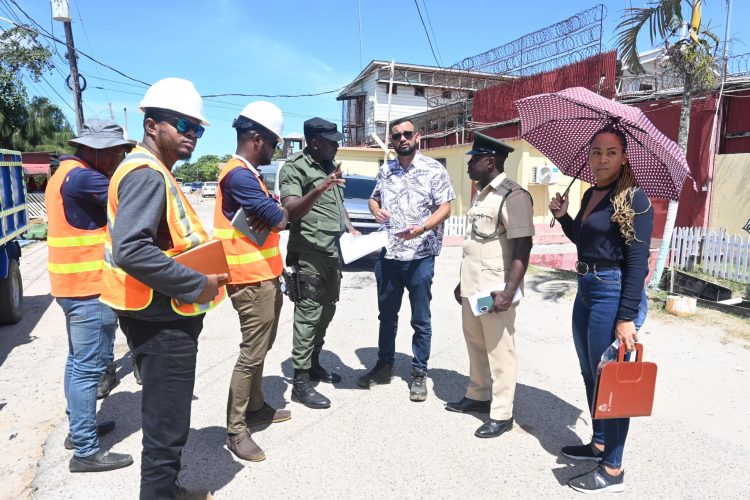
x: 622, y: 197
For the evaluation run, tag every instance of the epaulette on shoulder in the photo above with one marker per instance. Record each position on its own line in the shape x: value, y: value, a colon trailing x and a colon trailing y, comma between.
x: 509, y: 185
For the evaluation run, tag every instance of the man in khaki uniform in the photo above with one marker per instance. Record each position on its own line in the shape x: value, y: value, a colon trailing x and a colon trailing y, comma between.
x: 496, y: 254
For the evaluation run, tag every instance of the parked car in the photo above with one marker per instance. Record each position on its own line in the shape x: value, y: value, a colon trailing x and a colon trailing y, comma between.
x: 186, y: 188
x: 357, y: 191
x: 209, y: 189
x: 197, y: 186
x: 270, y: 175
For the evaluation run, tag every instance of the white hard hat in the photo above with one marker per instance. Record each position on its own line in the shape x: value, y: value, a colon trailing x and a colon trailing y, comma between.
x: 267, y: 114
x: 175, y: 94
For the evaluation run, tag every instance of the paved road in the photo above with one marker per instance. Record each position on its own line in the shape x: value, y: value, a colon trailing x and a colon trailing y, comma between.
x: 376, y: 443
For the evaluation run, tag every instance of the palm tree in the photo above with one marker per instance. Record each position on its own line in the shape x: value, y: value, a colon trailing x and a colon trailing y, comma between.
x: 691, y: 56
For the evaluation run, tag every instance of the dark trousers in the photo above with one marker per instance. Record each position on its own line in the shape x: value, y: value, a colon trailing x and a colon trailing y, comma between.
x: 392, y: 277
x: 165, y: 354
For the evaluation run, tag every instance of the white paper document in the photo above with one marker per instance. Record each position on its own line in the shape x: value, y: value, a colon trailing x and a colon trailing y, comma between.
x: 482, y: 302
x: 356, y: 247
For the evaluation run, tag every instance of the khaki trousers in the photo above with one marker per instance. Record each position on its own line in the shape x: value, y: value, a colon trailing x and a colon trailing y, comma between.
x: 493, y: 367
x: 258, y: 307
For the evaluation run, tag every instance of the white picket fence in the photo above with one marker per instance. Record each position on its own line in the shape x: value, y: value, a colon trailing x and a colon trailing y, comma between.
x: 714, y: 252
x: 455, y: 225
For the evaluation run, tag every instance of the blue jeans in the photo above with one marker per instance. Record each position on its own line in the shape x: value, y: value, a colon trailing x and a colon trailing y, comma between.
x: 392, y: 277
x: 91, y: 328
x: 594, y: 320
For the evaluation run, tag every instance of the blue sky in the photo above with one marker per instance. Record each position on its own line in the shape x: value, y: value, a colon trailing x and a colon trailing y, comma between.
x: 291, y: 47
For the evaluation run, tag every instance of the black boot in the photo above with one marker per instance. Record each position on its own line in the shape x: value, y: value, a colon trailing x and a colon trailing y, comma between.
x: 107, y: 381
x: 320, y: 374
x: 382, y: 373
x: 303, y: 391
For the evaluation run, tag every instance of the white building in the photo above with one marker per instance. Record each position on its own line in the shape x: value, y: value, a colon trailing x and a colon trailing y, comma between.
x: 415, y: 89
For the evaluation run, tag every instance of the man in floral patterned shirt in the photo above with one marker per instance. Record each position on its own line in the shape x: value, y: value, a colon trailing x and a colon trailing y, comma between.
x: 411, y: 198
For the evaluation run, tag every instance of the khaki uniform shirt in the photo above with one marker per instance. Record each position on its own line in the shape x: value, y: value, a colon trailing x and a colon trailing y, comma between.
x: 487, y: 259
x: 319, y: 230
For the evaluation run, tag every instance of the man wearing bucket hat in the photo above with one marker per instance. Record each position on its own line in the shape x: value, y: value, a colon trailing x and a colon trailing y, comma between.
x: 76, y: 201
x: 254, y: 266
x: 310, y: 185
x: 160, y: 303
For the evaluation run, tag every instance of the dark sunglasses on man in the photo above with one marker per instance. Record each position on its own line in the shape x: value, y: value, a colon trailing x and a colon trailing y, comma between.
x: 407, y: 135
x: 183, y: 125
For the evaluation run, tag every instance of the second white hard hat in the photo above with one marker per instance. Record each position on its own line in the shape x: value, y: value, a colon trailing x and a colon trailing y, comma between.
x: 175, y: 94
x: 267, y: 114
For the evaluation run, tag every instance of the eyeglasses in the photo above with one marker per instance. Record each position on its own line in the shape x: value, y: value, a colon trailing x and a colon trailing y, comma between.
x: 407, y: 135
x: 183, y: 125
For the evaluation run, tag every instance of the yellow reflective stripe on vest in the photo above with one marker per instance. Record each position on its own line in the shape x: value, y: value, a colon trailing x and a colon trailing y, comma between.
x: 227, y: 234
x: 253, y: 256
x: 78, y: 267
x: 75, y: 241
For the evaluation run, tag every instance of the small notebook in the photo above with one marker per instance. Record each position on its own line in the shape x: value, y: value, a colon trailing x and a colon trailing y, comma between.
x: 207, y: 258
x: 239, y: 221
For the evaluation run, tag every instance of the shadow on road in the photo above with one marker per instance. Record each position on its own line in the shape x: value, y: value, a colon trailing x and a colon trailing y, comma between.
x: 330, y: 362
x: 553, y: 285
x: 12, y: 336
x: 551, y: 421
x: 125, y: 409
x: 206, y: 463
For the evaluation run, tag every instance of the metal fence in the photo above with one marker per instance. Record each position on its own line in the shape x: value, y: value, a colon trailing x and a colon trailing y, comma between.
x: 455, y: 225
x: 714, y: 252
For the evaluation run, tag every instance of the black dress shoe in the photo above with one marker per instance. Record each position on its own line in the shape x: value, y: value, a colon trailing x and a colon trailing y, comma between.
x: 494, y: 428
x: 99, y: 462
x: 101, y: 429
x: 468, y: 405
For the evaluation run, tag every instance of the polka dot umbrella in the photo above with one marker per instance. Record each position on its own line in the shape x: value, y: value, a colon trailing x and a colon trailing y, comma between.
x: 561, y: 125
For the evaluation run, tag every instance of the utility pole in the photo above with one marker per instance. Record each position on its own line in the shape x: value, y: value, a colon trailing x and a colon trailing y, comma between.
x: 392, y: 67
x: 61, y: 12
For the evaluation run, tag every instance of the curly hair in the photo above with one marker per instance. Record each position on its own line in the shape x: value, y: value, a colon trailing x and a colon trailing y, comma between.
x: 622, y: 197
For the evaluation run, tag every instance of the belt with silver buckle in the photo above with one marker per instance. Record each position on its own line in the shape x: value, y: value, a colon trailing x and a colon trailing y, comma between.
x: 585, y: 267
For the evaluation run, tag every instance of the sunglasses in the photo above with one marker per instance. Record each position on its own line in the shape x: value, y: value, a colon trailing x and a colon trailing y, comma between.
x: 182, y: 125
x: 407, y: 135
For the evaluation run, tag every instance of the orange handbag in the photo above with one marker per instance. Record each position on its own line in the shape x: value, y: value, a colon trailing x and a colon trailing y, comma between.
x: 624, y: 388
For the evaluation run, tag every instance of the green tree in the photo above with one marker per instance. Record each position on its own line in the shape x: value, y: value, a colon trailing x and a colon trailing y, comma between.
x: 20, y: 55
x: 693, y: 57
x: 205, y: 168
x: 46, y: 128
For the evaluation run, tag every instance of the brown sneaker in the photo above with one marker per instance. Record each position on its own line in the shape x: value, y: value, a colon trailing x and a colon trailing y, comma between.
x: 267, y: 415
x: 244, y: 447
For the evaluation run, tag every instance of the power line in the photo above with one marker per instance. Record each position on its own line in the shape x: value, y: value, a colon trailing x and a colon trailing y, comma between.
x: 88, y: 42
x: 425, y: 32
x: 434, y: 39
x: 229, y: 94
x: 46, y: 34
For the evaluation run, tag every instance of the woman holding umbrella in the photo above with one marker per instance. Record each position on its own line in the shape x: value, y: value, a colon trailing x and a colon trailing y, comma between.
x: 612, y: 233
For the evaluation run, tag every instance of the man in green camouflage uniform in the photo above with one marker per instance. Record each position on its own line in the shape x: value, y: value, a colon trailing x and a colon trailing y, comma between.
x: 312, y: 192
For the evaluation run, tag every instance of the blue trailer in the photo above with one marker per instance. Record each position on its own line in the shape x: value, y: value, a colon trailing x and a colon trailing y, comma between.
x: 13, y: 222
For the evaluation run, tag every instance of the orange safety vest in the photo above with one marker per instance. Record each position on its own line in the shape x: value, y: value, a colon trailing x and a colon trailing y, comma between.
x: 120, y: 290
x: 248, y: 263
x: 76, y: 256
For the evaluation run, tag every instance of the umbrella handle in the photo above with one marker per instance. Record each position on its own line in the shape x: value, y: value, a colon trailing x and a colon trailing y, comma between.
x: 565, y: 194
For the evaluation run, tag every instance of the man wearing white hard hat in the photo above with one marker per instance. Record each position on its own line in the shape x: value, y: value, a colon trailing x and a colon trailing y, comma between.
x: 254, y: 265
x: 160, y: 303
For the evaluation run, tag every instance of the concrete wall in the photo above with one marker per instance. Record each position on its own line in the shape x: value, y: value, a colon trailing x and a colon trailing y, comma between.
x: 361, y: 161
x: 730, y: 203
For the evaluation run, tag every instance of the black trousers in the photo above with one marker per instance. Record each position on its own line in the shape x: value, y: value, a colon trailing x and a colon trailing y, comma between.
x: 165, y: 353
